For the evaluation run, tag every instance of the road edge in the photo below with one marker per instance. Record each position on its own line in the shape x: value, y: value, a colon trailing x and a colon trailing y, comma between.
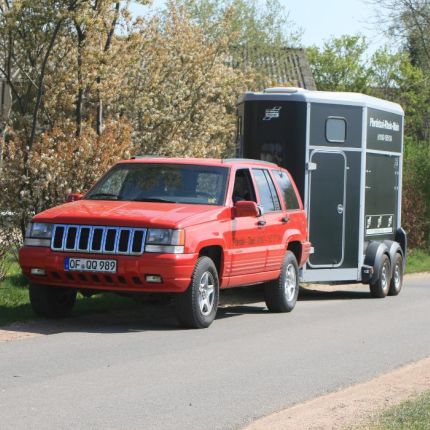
x: 350, y: 406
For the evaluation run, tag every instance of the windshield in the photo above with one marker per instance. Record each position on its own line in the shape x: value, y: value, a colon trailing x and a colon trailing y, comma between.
x: 165, y: 183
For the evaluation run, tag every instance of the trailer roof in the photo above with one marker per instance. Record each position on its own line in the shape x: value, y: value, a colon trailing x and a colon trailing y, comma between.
x: 301, y: 95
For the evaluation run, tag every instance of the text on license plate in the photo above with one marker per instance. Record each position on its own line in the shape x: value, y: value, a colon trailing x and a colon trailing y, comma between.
x: 89, y: 265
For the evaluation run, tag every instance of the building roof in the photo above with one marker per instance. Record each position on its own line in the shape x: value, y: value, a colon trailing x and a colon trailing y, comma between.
x: 282, y: 65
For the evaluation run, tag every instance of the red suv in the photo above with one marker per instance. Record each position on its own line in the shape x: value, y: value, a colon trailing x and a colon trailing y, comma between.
x: 187, y: 227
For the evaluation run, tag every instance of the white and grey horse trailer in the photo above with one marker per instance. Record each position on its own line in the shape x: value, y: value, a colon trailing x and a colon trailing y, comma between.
x: 344, y: 151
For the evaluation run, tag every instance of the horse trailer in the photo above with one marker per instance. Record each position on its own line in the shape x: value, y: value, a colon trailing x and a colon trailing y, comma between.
x: 345, y: 152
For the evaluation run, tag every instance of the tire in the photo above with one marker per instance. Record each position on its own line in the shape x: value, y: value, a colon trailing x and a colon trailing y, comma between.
x: 281, y: 294
x: 197, y: 307
x: 397, y: 278
x: 52, y: 302
x: 380, y: 288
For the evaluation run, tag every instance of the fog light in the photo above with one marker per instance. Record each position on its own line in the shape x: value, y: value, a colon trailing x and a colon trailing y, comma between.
x: 154, y: 279
x: 38, y: 272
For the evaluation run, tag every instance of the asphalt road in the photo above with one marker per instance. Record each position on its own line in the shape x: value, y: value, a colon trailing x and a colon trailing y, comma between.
x: 142, y: 372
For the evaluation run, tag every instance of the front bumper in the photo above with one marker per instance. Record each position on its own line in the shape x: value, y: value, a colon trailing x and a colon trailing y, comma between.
x: 175, y: 270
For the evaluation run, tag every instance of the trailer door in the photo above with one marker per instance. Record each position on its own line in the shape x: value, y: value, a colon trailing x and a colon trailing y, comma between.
x: 326, y: 212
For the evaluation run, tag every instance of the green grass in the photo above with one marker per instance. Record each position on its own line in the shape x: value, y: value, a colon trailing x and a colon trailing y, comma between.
x: 418, y: 261
x: 15, y: 305
x: 411, y: 415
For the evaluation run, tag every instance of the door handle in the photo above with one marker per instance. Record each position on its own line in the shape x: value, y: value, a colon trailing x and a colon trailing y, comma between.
x: 261, y: 222
x: 285, y: 219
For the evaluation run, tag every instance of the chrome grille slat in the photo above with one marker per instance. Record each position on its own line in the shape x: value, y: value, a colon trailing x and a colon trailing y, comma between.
x: 66, y: 229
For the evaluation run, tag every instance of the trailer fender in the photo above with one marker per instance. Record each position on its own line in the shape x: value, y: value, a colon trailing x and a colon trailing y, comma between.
x: 402, y: 239
x: 372, y: 261
x: 393, y: 249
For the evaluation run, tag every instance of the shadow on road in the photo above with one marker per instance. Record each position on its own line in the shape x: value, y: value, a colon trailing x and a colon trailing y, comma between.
x: 160, y: 317
x: 307, y: 294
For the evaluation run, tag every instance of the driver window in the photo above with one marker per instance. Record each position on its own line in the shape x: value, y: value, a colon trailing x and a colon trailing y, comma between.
x: 243, y: 187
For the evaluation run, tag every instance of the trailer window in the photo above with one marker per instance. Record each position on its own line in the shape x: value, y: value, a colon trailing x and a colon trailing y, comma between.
x: 335, y: 129
x: 285, y: 185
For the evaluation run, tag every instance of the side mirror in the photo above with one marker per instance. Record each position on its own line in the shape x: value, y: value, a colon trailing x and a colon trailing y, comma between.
x: 246, y: 208
x: 72, y: 197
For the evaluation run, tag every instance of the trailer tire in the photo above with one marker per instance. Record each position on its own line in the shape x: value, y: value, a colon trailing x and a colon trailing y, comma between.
x: 52, y: 302
x: 281, y: 293
x: 397, y: 276
x: 379, y: 289
x: 197, y: 307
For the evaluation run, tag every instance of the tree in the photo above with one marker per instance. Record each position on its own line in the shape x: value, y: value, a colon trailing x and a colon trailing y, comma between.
x: 340, y: 65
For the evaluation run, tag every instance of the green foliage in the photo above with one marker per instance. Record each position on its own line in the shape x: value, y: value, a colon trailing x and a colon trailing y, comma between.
x: 418, y: 261
x: 416, y: 193
x: 340, y: 64
x: 254, y: 22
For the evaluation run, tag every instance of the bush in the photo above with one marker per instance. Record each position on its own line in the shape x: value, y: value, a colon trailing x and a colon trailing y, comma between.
x: 59, y: 163
x: 416, y: 194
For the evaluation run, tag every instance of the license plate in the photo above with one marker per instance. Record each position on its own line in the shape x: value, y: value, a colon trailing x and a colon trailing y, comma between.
x: 89, y: 265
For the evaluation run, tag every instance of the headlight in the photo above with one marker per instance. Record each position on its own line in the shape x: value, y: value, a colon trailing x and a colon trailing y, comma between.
x: 38, y: 234
x: 165, y: 240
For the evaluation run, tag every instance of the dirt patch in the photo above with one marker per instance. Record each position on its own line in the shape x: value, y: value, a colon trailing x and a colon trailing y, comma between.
x: 14, y: 334
x: 350, y: 406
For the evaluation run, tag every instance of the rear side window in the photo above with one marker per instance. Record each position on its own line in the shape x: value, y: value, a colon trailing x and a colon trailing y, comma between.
x: 287, y: 189
x: 268, y: 196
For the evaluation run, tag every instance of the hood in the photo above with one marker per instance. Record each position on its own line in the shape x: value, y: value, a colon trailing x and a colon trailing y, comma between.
x: 130, y: 214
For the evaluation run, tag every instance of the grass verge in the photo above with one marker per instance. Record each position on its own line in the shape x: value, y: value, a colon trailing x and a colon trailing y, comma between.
x: 418, y: 261
x: 412, y: 415
x: 15, y: 305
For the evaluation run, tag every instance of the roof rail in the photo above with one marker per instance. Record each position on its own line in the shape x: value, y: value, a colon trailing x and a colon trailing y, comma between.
x: 241, y: 160
x: 136, y: 157
x: 283, y: 90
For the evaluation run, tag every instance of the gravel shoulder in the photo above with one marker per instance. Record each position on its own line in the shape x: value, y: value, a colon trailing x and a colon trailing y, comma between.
x: 353, y: 405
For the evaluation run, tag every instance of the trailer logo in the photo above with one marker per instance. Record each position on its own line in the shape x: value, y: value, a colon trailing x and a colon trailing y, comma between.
x: 384, y: 124
x: 379, y: 224
x: 272, y: 113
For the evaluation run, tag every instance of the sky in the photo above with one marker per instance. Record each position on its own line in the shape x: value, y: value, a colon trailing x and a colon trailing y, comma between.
x: 321, y: 19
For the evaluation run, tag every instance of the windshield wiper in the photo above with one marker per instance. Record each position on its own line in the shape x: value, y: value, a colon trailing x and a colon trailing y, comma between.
x: 153, y: 199
x: 113, y: 196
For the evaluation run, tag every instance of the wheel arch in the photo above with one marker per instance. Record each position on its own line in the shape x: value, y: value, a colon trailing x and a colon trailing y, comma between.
x: 216, y: 253
x: 394, y: 248
x: 374, y: 257
x: 295, y: 246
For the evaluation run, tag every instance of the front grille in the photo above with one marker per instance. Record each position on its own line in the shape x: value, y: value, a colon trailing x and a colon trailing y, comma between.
x: 98, y: 240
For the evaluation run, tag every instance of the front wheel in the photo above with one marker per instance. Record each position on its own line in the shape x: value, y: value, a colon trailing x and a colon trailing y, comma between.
x: 197, y: 307
x: 281, y: 294
x: 52, y: 302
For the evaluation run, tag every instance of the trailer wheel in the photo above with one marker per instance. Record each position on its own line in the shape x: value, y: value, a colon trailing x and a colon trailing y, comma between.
x: 379, y: 289
x: 52, y: 302
x: 281, y: 294
x: 397, y: 278
x: 197, y: 307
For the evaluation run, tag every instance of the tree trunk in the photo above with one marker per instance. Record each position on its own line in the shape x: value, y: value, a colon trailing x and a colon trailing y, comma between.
x: 41, y: 82
x: 99, y: 119
x: 80, y: 95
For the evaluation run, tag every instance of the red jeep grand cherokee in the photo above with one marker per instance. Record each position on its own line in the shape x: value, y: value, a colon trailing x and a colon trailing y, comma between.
x: 170, y: 225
